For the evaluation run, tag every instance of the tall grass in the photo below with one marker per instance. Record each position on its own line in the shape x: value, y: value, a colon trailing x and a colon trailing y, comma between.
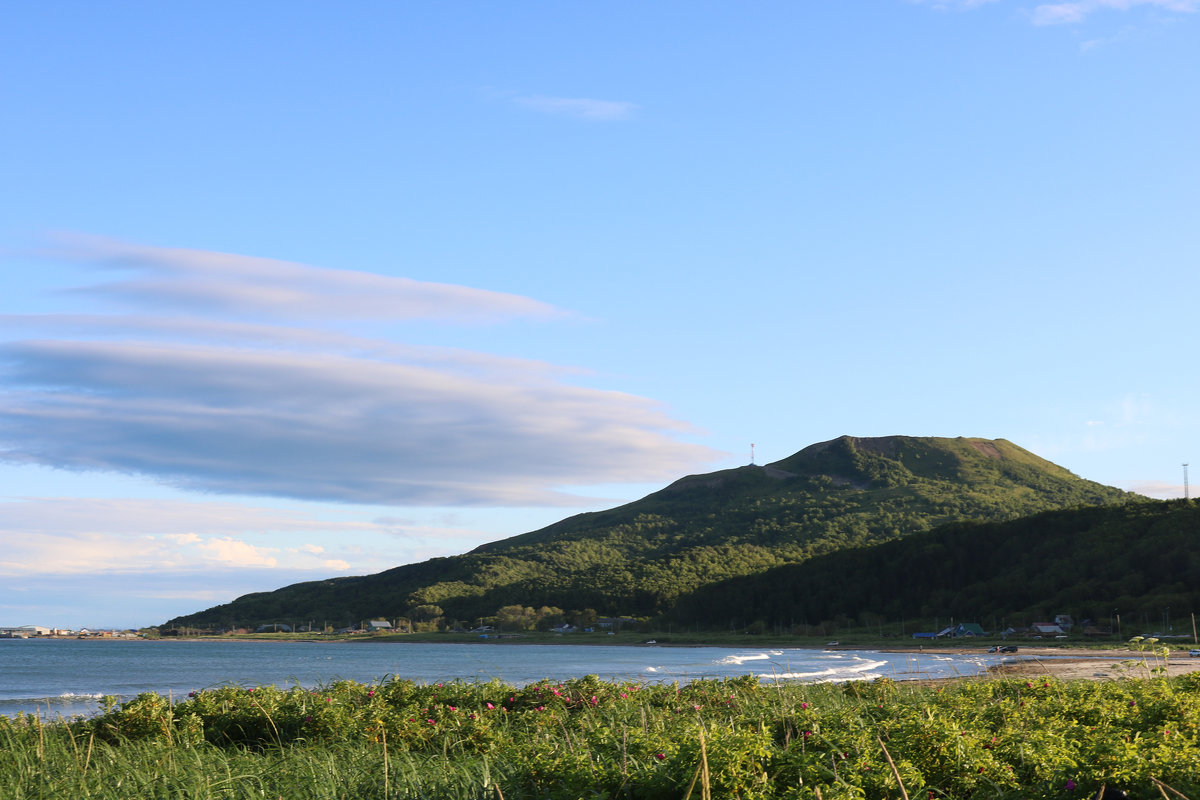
x: 591, y: 739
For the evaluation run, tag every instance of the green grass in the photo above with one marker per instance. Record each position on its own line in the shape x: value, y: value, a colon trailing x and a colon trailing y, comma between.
x: 972, y: 738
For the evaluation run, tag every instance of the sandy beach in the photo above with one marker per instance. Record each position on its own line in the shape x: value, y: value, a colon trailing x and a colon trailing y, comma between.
x: 1098, y: 665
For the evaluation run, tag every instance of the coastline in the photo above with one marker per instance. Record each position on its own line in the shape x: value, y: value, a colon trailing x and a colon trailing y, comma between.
x: 1097, y: 665
x: 1077, y: 664
x: 199, y: 663
x: 1063, y: 663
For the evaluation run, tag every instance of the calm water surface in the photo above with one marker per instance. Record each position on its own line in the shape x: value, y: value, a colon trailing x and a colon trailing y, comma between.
x: 68, y: 677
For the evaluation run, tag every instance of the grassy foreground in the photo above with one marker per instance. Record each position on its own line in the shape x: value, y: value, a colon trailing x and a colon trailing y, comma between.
x: 972, y: 738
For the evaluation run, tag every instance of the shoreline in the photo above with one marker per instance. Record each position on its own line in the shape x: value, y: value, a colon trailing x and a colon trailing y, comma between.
x: 1062, y: 663
x: 1099, y: 665
x: 1082, y: 664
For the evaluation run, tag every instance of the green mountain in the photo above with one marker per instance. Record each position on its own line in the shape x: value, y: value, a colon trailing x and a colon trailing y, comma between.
x: 1137, y: 560
x: 640, y: 558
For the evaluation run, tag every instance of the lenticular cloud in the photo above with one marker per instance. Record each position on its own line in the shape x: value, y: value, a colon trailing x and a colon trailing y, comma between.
x: 310, y: 412
x: 228, y: 284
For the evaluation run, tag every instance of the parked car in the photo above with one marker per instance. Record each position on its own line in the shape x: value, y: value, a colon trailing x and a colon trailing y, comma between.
x: 1194, y: 653
x: 1007, y: 648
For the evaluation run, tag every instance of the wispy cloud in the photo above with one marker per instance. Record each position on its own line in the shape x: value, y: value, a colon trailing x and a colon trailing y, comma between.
x: 199, y: 281
x: 1070, y: 12
x: 578, y: 107
x: 65, y: 536
x: 129, y: 598
x: 1075, y: 12
x: 953, y: 5
x: 1162, y: 490
x: 127, y: 561
x: 222, y: 398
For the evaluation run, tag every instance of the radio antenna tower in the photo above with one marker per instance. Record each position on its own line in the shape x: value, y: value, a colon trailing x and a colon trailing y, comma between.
x: 752, y: 454
x: 1185, y: 484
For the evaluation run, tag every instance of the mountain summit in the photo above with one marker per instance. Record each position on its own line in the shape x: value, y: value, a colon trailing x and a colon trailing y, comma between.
x: 640, y: 558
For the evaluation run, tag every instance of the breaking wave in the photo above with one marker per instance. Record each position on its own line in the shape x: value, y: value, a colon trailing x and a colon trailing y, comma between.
x: 742, y: 659
x: 860, y: 669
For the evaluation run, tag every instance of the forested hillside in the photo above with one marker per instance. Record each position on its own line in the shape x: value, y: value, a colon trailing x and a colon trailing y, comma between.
x: 1137, y: 560
x: 641, y: 558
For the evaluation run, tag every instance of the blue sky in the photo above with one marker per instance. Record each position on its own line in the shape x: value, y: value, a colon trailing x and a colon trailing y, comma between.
x: 294, y: 290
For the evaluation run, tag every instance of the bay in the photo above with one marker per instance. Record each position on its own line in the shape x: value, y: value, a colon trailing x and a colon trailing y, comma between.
x: 68, y: 677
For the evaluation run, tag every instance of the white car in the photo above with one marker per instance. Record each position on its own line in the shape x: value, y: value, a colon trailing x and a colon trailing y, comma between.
x: 1194, y: 653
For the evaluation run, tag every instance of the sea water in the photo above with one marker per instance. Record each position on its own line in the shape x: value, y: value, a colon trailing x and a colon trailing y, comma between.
x: 68, y: 677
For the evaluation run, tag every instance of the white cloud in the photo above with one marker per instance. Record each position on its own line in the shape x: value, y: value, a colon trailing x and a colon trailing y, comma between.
x: 245, y: 406
x: 78, y: 553
x: 325, y: 427
x: 1162, y: 490
x: 225, y: 283
x: 231, y: 552
x: 64, y: 536
x: 1074, y: 12
x: 1070, y: 12
x: 129, y: 599
x: 1059, y: 13
x: 578, y: 107
x: 185, y: 520
x: 953, y: 5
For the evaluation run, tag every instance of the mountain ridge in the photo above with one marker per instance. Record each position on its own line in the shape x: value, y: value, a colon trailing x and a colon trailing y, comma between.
x: 641, y: 557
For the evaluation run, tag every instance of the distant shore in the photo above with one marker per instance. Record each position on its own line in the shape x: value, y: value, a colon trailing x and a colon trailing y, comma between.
x: 1064, y: 662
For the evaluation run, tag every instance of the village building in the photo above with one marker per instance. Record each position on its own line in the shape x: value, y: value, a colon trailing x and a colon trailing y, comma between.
x: 24, y: 632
